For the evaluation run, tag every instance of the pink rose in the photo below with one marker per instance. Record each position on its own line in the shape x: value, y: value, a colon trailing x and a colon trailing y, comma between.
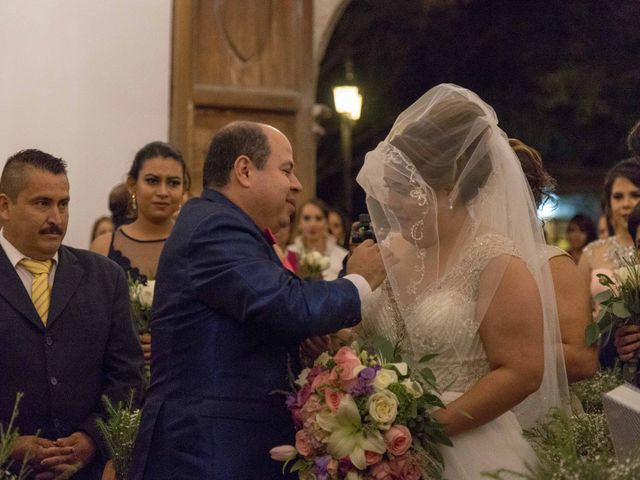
x: 323, y: 378
x: 332, y: 398
x: 398, y: 440
x: 372, y: 457
x: 409, y: 468
x: 303, y: 445
x: 347, y: 361
x: 381, y: 471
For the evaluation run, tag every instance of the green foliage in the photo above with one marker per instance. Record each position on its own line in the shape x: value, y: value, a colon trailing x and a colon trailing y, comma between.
x: 119, y: 432
x: 577, y: 447
x: 8, y: 436
x: 590, y: 391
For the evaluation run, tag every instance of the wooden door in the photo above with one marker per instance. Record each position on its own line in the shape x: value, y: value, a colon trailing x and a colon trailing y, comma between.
x: 242, y: 59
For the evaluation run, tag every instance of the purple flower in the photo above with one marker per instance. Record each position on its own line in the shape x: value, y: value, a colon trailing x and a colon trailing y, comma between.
x: 291, y: 401
x: 368, y: 373
x: 321, y: 467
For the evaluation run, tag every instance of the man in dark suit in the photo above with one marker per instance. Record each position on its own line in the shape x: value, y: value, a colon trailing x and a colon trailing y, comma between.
x: 66, y: 335
x: 228, y: 318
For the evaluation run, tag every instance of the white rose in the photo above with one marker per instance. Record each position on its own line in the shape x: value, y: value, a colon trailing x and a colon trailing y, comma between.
x: 413, y: 388
x: 383, y: 407
x: 324, y: 263
x: 315, y: 257
x: 384, y: 378
x: 145, y: 293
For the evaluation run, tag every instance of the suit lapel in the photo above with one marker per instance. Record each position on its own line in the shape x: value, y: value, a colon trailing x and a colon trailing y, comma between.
x: 13, y: 291
x: 67, y: 280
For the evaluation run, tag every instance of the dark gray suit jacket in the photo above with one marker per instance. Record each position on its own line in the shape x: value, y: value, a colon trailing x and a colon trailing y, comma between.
x: 88, y: 349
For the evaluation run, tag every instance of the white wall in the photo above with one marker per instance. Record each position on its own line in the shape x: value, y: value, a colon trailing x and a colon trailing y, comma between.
x: 88, y: 80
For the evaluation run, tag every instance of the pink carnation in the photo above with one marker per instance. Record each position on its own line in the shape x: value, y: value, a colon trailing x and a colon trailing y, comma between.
x: 314, y: 404
x: 347, y: 361
x: 398, y: 440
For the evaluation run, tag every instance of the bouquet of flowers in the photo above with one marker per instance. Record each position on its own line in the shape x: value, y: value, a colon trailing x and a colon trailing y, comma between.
x: 141, y: 296
x: 312, y: 264
x: 620, y: 305
x: 360, y: 416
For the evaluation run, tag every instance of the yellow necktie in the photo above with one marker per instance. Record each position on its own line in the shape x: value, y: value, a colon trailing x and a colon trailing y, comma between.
x: 40, y: 294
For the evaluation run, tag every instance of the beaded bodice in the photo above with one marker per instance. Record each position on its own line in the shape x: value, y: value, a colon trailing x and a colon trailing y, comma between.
x: 444, y: 320
x: 607, y: 253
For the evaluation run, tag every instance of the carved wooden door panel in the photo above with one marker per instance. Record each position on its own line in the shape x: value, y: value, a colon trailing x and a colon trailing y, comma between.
x: 242, y: 59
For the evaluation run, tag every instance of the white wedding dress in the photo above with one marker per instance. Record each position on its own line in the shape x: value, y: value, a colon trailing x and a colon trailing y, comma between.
x: 444, y: 322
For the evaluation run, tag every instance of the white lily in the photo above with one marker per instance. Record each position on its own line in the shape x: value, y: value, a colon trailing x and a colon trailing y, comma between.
x: 347, y: 439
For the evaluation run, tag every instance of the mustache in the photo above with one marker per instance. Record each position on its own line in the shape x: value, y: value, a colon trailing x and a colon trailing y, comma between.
x: 52, y: 230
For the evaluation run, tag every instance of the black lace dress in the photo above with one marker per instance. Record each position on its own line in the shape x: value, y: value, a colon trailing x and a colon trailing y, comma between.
x: 138, y: 258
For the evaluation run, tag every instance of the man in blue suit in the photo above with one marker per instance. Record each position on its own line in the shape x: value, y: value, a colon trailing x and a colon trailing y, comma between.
x: 66, y: 333
x: 228, y: 318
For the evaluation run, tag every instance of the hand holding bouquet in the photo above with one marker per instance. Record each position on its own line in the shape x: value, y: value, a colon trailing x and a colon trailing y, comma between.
x: 359, y: 416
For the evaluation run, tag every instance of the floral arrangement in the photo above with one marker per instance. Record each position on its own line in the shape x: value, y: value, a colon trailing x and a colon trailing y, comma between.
x: 141, y: 296
x: 8, y: 436
x: 620, y: 305
x: 312, y: 264
x: 119, y: 432
x: 360, y: 416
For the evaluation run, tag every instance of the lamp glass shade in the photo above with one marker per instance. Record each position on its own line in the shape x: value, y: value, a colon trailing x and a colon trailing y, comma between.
x: 348, y: 101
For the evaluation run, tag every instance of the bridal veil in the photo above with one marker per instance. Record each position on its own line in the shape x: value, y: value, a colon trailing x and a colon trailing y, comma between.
x: 444, y: 152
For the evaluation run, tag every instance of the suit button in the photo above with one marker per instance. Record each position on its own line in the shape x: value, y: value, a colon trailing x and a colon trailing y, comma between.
x: 54, y: 381
x: 49, y: 341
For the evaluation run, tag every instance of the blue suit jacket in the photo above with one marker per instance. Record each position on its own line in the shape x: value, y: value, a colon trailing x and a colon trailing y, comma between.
x: 89, y: 348
x: 227, y: 317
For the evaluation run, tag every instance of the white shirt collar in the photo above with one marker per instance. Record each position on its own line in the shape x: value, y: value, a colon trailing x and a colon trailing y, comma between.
x: 13, y: 253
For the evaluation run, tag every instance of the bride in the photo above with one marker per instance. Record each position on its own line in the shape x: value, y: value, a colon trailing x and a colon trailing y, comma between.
x: 467, y: 279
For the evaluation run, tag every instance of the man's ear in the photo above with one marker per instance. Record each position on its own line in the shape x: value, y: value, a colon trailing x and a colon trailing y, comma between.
x: 4, y: 206
x: 242, y: 168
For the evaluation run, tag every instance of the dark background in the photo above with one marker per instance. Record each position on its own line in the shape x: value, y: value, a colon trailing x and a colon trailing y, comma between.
x: 563, y: 76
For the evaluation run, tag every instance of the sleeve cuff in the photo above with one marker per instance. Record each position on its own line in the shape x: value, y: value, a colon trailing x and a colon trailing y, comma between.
x: 364, y: 289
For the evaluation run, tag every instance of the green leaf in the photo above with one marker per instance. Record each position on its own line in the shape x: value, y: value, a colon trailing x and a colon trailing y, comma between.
x: 427, y: 357
x: 592, y: 334
x: 299, y: 465
x: 380, y: 344
x: 620, y: 311
x: 603, y: 296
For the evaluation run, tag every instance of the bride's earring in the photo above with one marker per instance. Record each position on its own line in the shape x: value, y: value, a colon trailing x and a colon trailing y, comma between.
x: 450, y: 204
